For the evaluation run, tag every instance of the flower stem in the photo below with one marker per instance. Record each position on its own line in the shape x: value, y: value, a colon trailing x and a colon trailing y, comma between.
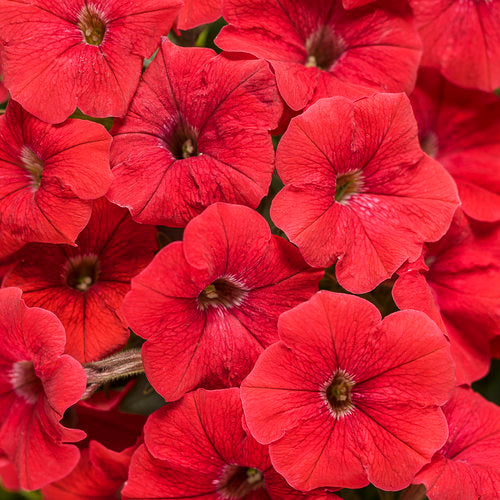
x: 120, y: 365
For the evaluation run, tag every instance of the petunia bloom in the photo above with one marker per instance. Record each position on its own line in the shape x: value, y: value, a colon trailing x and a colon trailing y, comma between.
x: 462, y: 40
x: 85, y: 286
x: 199, y: 447
x: 345, y: 398
x: 209, y: 305
x: 112, y: 438
x: 318, y: 49
x: 197, y: 132
x: 37, y: 384
x: 197, y: 12
x: 460, y: 128
x: 359, y: 191
x: 455, y: 282
x: 99, y: 470
x: 60, y: 55
x: 49, y: 176
x: 469, y: 462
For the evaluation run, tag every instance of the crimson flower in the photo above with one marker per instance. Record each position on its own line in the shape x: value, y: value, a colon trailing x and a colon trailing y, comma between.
x: 37, y: 384
x: 59, y: 55
x: 112, y: 438
x: 48, y: 177
x: 197, y: 132
x: 100, y: 473
x: 460, y: 129
x: 469, y: 462
x: 318, y: 49
x: 462, y: 40
x: 85, y: 286
x: 199, y: 447
x: 343, y: 398
x: 209, y: 305
x: 362, y: 196
x: 196, y: 12
x: 456, y: 284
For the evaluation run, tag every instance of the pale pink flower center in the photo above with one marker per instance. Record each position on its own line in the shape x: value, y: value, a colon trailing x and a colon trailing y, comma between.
x: 237, y: 481
x: 25, y: 382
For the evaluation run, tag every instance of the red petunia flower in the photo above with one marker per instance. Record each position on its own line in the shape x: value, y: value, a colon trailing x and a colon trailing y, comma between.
x: 318, y: 49
x: 99, y: 474
x: 199, y: 448
x: 105, y: 459
x: 364, y: 195
x: 197, y: 132
x: 197, y: 12
x: 456, y: 284
x: 85, y: 286
x: 460, y: 129
x: 37, y: 384
x: 209, y: 305
x: 343, y: 398
x: 48, y: 177
x: 469, y: 464
x: 59, y: 55
x: 462, y: 40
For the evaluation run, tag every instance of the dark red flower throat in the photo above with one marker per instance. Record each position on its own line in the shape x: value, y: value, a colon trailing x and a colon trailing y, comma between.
x: 238, y: 481
x: 82, y: 272
x: 323, y: 48
x: 339, y: 394
x: 224, y: 292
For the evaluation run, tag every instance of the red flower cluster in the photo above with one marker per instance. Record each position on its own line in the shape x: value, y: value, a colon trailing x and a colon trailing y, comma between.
x: 183, y: 232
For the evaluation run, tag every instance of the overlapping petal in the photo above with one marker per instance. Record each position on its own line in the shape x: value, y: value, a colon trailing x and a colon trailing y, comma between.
x: 457, y: 287
x: 462, y: 40
x: 469, y: 462
x: 460, y: 128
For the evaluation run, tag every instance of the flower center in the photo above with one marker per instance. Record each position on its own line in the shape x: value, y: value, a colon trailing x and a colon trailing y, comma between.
x: 347, y: 184
x: 429, y: 144
x: 237, y: 481
x: 223, y: 292
x: 323, y: 48
x: 183, y: 142
x: 33, y: 165
x: 338, y: 394
x: 92, y: 25
x: 25, y: 382
x: 82, y: 272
